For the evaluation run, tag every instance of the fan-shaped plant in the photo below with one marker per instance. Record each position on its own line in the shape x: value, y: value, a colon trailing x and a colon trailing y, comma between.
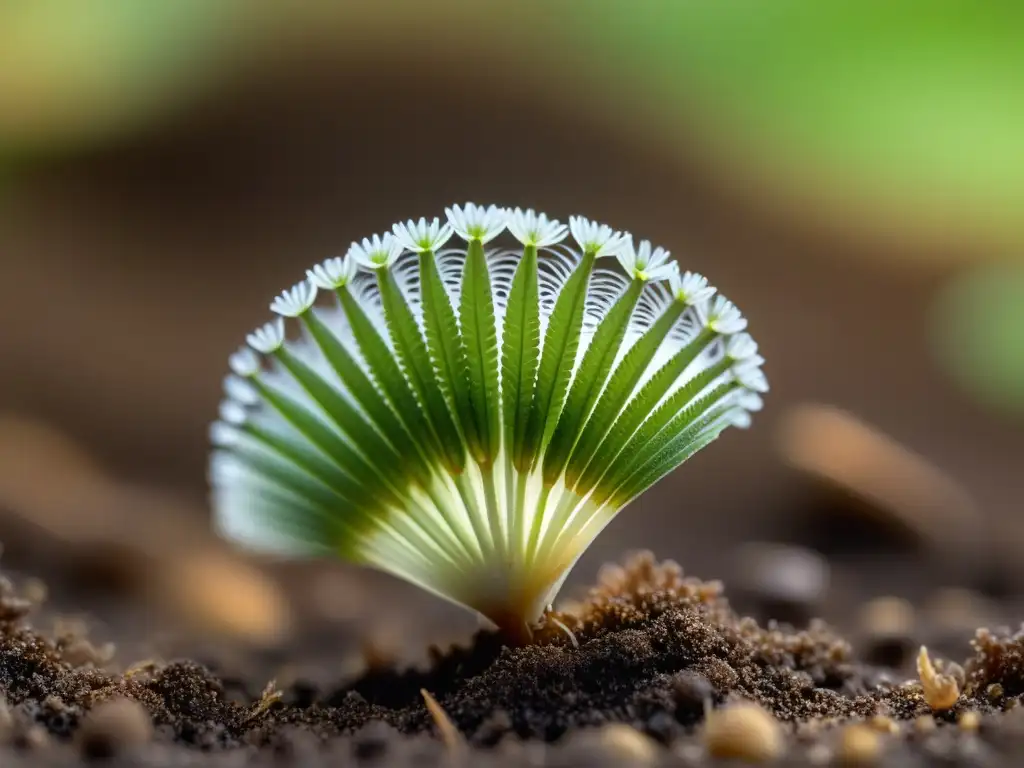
x: 469, y: 418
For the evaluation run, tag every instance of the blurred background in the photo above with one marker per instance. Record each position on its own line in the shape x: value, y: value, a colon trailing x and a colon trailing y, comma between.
x: 851, y: 174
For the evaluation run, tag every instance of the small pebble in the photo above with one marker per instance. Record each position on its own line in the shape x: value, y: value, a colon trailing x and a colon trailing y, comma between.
x: 493, y: 728
x: 859, y: 744
x: 744, y: 731
x: 691, y: 692
x: 785, y: 583
x: 34, y: 737
x: 925, y: 724
x: 969, y: 721
x: 113, y: 728
x: 899, y: 494
x: 628, y: 744
x: 887, y: 625
x: 35, y: 591
x: 883, y: 724
x: 222, y: 593
x: 663, y: 727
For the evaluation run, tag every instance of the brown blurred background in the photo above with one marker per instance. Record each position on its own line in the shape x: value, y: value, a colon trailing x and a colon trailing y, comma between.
x: 852, y: 178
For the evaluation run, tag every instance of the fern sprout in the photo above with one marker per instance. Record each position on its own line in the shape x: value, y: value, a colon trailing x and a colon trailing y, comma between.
x: 467, y: 403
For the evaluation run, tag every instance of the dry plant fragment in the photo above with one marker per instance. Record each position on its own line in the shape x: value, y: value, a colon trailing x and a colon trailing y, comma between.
x: 941, y: 691
x: 744, y: 731
x: 450, y: 735
x: 270, y: 696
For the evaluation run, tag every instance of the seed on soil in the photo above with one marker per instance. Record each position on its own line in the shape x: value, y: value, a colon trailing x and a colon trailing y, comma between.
x: 744, y: 731
x: 969, y: 721
x: 628, y: 744
x: 859, y: 744
x: 884, y: 724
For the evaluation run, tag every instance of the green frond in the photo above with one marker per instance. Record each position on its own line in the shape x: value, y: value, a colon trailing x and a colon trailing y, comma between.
x: 470, y: 418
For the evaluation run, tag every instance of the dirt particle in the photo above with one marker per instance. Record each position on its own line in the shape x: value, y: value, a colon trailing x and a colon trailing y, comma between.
x: 114, y: 728
x: 80, y: 651
x: 744, y: 731
x: 998, y: 658
x: 884, y: 724
x: 722, y: 677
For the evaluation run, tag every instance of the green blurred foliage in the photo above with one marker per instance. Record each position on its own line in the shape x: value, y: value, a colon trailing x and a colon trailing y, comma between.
x: 916, y: 101
x: 978, y: 334
x: 80, y: 71
x: 914, y: 106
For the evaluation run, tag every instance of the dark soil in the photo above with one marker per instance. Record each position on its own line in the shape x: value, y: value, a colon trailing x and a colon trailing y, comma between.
x: 648, y: 648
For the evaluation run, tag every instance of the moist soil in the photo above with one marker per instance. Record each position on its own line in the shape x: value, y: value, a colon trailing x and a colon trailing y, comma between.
x: 633, y: 674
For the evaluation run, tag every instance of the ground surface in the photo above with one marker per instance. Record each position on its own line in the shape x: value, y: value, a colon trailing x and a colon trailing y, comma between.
x: 651, y: 668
